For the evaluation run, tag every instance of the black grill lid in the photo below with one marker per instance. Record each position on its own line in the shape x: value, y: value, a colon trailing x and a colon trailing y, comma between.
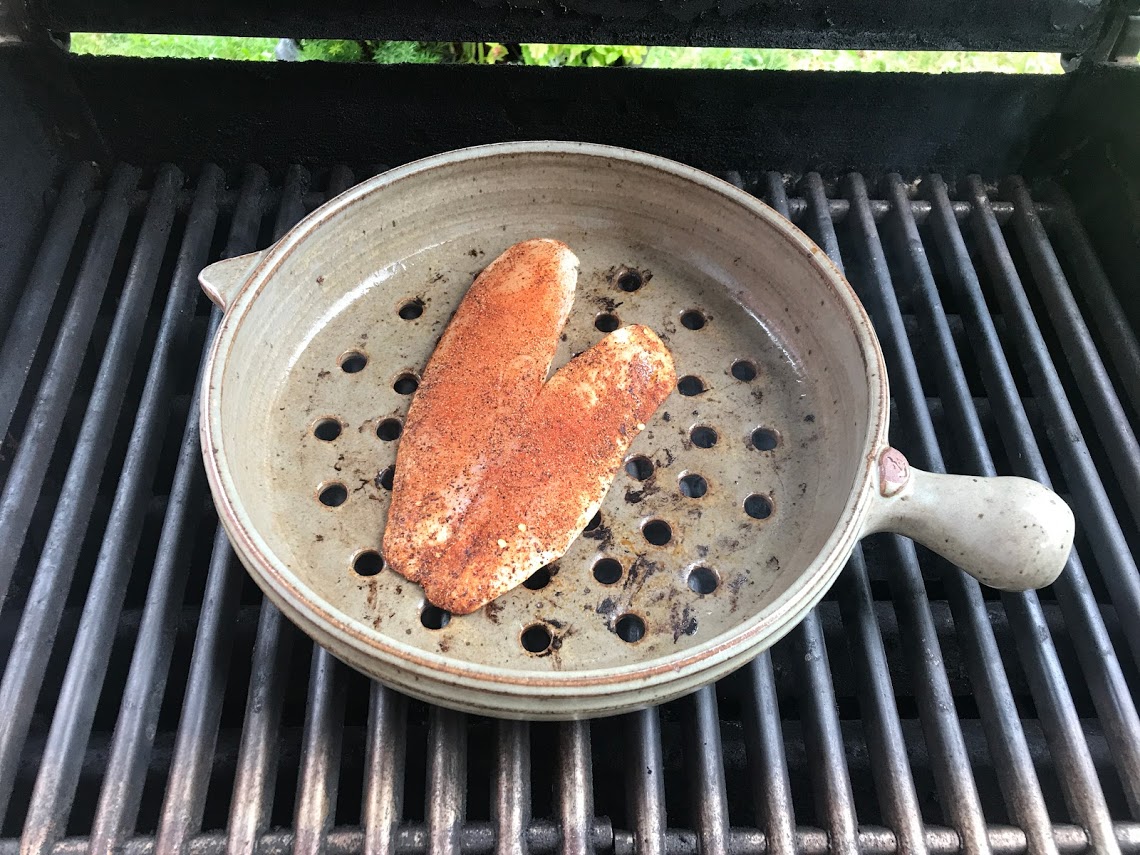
x: 1065, y: 26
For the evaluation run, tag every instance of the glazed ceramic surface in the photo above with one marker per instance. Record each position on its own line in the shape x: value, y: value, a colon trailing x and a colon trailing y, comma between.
x: 766, y: 465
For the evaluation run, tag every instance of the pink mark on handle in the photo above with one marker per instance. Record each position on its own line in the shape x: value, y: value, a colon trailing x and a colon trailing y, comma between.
x: 894, y: 471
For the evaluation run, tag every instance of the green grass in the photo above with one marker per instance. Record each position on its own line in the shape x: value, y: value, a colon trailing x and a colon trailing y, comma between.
x: 186, y: 47
x: 931, y: 62
x: 221, y: 47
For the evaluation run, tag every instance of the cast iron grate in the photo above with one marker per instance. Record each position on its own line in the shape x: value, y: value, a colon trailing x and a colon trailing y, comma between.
x: 151, y: 701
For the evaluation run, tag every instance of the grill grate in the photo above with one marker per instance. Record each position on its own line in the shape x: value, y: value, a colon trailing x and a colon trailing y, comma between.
x: 153, y: 701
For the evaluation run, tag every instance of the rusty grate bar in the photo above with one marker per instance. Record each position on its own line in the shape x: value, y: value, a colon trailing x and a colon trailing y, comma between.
x: 158, y: 704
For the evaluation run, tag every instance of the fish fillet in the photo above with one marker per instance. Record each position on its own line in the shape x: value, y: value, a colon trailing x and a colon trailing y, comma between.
x: 500, y: 468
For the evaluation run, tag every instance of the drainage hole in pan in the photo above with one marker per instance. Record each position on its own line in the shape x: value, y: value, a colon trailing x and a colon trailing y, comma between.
x: 389, y: 430
x: 536, y: 638
x: 368, y: 563
x: 606, y: 322
x: 765, y: 439
x: 639, y: 467
x: 607, y: 570
x: 630, y: 281
x: 744, y: 370
x: 690, y: 385
x: 693, y: 319
x: 433, y: 617
x: 758, y: 506
x: 384, y: 479
x: 332, y: 495
x: 657, y: 532
x: 352, y: 362
x: 703, y: 436
x: 702, y: 580
x: 630, y: 628
x: 692, y: 485
x: 327, y: 429
x: 412, y: 309
x: 406, y: 384
x: 540, y: 578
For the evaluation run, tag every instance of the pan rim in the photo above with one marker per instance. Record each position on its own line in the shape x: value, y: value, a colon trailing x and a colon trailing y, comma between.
x: 370, y: 646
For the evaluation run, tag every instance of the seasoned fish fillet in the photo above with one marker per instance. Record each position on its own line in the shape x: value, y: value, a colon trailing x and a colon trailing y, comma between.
x: 499, y: 469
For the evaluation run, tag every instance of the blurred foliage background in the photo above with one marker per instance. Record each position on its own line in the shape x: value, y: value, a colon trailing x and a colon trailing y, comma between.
x: 335, y: 50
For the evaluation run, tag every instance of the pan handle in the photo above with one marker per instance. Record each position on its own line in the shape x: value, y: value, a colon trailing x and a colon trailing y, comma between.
x: 1008, y: 533
x: 223, y: 279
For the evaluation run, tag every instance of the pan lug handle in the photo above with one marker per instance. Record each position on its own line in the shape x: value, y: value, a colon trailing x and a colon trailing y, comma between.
x: 1009, y: 533
x: 223, y: 279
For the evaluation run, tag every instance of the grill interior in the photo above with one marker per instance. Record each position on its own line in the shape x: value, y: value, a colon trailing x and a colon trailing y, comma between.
x: 154, y: 702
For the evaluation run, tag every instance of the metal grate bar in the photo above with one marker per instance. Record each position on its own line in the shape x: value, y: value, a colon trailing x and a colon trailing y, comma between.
x: 50, y: 407
x: 823, y: 740
x: 446, y: 798
x: 384, y: 770
x: 138, y: 712
x: 943, y: 733
x: 772, y: 791
x: 146, y: 682
x: 889, y: 762
x: 646, y: 782
x: 881, y: 209
x: 75, y: 709
x: 257, y: 758
x: 704, y: 760
x: 320, y: 753
x: 197, y: 730
x: 291, y: 206
x: 1093, y: 507
x: 839, y: 209
x: 478, y: 839
x: 51, y: 582
x: 885, y: 743
x: 26, y: 329
x: 1006, y: 739
x: 190, y: 766
x: 822, y: 735
x: 576, y: 788
x: 257, y: 761
x: 511, y: 805
x: 1099, y: 664
x: 820, y: 225
x: 1000, y: 717
x: 1103, y: 305
x: 1084, y: 361
x: 1093, y: 646
x: 952, y: 769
